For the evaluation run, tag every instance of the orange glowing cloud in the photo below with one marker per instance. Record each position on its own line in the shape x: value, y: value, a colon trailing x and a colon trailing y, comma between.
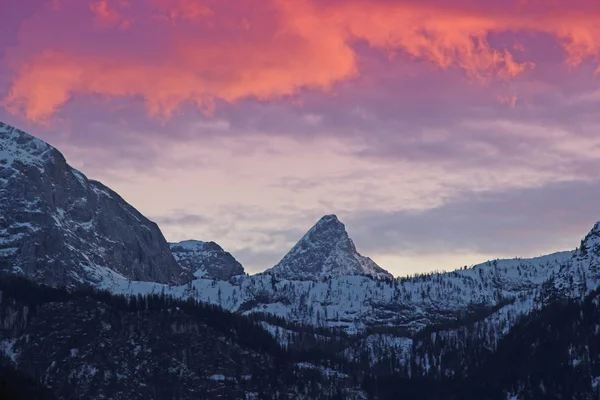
x: 46, y: 83
x: 232, y: 50
x: 446, y: 38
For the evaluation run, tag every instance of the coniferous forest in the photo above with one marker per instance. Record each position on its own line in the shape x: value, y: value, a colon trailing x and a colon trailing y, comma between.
x: 77, y: 344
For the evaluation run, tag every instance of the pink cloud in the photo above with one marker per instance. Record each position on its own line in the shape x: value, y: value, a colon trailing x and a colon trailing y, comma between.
x: 232, y: 50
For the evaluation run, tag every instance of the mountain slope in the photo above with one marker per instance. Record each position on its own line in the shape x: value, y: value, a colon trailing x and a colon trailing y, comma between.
x: 206, y: 260
x: 581, y: 274
x: 58, y: 227
x: 93, y: 345
x: 160, y: 347
x: 552, y: 353
x: 326, y: 251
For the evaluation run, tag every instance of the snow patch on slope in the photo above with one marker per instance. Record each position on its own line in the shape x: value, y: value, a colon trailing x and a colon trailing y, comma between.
x: 7, y: 348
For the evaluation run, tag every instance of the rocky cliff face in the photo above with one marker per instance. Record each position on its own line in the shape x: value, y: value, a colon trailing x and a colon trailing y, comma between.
x: 326, y: 251
x: 206, y: 260
x: 60, y: 228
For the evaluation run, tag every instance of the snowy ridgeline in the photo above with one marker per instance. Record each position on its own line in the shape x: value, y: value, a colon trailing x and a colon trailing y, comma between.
x: 354, y: 303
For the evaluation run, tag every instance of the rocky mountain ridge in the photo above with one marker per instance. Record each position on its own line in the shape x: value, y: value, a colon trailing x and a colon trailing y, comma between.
x: 206, y: 260
x: 60, y: 228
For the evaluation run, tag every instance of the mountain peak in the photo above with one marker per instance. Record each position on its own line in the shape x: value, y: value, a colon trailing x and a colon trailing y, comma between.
x: 329, y: 219
x: 19, y: 149
x: 326, y: 250
x: 206, y: 259
x: 60, y: 228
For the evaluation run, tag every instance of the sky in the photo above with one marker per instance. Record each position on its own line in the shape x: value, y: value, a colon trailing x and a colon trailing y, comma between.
x: 443, y: 133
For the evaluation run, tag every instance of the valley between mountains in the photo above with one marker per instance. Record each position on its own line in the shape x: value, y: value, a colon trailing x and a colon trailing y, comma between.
x: 184, y: 321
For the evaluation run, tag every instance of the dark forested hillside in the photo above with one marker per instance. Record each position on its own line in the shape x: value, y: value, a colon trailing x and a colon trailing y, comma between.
x: 550, y: 354
x: 91, y: 345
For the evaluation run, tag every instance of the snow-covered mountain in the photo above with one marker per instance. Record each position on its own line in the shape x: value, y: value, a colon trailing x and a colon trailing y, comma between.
x: 358, y: 303
x: 206, y: 260
x: 58, y: 227
x: 326, y: 251
x: 408, y: 319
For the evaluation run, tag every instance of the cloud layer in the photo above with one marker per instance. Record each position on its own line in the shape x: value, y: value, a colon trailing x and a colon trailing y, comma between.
x: 176, y: 52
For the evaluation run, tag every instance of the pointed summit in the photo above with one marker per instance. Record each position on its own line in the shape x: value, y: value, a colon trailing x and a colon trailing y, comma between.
x: 329, y: 219
x: 326, y: 251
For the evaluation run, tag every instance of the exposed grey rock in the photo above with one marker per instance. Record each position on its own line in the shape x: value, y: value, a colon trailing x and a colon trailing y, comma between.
x: 60, y: 228
x: 206, y: 260
x: 326, y: 251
